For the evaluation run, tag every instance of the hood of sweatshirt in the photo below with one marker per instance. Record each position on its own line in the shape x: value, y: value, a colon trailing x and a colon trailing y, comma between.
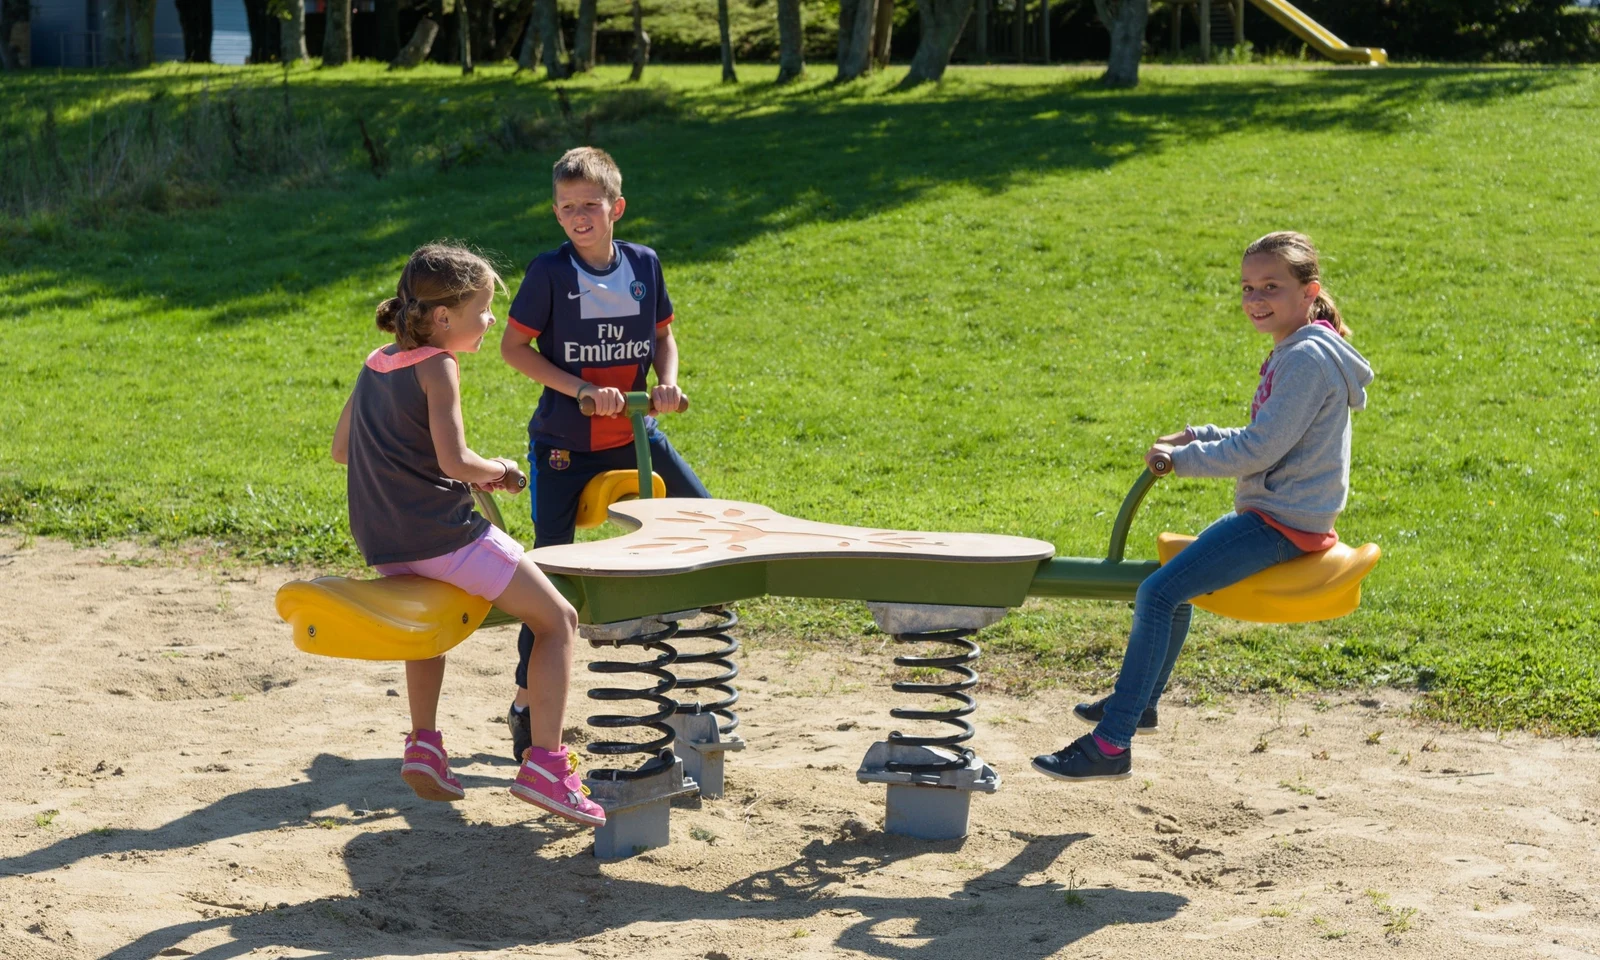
x: 1336, y: 355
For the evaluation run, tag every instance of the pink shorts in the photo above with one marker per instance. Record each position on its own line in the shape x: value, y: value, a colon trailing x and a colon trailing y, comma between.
x: 483, y: 567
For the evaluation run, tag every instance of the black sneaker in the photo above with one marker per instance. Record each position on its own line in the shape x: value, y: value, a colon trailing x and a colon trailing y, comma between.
x: 1081, y: 761
x: 521, y: 732
x: 1093, y: 713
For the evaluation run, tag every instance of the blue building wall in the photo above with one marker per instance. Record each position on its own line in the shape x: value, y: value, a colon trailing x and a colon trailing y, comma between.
x: 60, y: 33
x: 230, y: 32
x: 71, y: 33
x: 169, y: 35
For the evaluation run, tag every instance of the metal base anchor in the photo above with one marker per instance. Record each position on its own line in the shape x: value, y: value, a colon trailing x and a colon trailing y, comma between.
x: 702, y: 746
x: 638, y: 812
x: 932, y: 777
x: 928, y: 806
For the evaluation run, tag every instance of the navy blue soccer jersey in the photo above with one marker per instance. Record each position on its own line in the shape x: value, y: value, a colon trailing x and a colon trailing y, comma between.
x: 598, y: 326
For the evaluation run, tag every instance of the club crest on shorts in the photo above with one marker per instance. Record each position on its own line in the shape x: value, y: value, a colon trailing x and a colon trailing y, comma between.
x: 560, y: 459
x: 637, y: 289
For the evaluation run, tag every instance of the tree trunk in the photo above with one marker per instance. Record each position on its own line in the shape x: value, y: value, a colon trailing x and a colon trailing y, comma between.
x: 336, y: 38
x: 882, y: 33
x: 10, y: 56
x: 728, y: 74
x: 515, y: 24
x: 14, y: 38
x: 144, y: 31
x: 292, y: 32
x: 641, y: 44
x: 116, y: 33
x: 942, y: 23
x: 464, y: 35
x: 856, y: 20
x: 842, y: 35
x: 528, y: 57
x: 1019, y: 24
x: 416, y: 51
x: 550, y: 33
x: 583, y: 43
x: 265, y: 32
x: 981, y: 25
x: 1126, y: 20
x: 1044, y: 30
x: 791, y: 48
x: 387, y: 15
x: 480, y: 14
x: 194, y: 19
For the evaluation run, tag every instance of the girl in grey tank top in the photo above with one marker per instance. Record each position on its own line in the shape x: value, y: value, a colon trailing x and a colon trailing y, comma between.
x: 410, y: 488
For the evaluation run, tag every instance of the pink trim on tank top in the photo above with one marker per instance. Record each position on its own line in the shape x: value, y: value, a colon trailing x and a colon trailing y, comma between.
x: 390, y: 362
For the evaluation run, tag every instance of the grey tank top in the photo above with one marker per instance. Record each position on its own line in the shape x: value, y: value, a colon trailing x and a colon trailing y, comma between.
x: 402, y: 506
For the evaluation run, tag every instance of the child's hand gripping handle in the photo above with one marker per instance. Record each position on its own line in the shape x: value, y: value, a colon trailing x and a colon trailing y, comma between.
x: 1159, y: 457
x: 637, y: 401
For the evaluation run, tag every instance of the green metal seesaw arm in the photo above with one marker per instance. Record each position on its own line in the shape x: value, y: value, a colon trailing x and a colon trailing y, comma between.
x: 1113, y: 578
x: 1080, y: 578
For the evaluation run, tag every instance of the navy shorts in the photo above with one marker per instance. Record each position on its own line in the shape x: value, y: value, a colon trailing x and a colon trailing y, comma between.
x: 558, y: 478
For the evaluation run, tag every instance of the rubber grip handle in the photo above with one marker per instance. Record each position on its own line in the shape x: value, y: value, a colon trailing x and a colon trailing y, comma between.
x: 586, y: 407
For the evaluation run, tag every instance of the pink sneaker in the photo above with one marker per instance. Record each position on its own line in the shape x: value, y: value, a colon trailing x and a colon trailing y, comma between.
x: 550, y: 780
x: 426, y: 768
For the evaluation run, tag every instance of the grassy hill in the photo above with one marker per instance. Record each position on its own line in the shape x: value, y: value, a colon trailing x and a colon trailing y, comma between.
x: 967, y: 307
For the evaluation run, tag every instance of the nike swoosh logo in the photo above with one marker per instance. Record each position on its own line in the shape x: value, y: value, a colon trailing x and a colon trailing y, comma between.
x: 574, y: 296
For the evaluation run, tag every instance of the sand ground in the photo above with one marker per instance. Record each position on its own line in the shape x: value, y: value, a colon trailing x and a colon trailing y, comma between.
x: 178, y: 781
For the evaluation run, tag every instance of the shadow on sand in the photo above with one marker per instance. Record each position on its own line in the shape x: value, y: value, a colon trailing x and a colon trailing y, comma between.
x: 435, y: 882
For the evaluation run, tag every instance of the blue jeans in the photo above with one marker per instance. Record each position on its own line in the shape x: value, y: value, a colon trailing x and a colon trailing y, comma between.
x: 1225, y: 553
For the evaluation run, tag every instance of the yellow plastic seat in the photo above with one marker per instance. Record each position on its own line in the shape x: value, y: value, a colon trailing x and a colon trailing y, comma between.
x: 1317, y: 586
x: 391, y: 618
x: 608, y: 488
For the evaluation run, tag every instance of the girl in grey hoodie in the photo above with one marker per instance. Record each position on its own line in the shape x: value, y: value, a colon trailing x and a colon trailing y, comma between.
x: 1293, y: 468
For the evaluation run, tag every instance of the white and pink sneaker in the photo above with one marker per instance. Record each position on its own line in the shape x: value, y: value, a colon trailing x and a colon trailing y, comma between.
x: 550, y: 780
x: 426, y: 767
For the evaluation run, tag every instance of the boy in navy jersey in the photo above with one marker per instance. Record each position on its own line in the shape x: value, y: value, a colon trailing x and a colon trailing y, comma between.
x: 590, y: 319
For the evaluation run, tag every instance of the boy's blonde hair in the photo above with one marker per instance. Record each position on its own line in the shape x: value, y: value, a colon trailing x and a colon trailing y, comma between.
x: 436, y: 275
x: 590, y: 164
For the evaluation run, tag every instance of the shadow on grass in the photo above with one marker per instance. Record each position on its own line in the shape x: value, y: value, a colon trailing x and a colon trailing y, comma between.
x: 709, y: 173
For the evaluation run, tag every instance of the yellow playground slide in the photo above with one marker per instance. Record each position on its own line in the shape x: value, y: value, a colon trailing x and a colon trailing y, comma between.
x: 1315, y: 34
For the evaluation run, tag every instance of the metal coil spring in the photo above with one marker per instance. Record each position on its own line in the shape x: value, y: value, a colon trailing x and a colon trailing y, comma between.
x: 662, y: 746
x: 955, y: 690
x: 720, y: 658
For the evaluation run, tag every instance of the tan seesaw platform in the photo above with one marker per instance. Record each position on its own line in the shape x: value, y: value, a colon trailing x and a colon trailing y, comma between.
x: 687, y: 553
x: 676, y: 536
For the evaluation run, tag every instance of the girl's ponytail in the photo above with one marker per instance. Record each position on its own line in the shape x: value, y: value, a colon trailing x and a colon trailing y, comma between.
x: 389, y: 314
x: 407, y: 318
x: 1323, y: 308
x: 1295, y: 250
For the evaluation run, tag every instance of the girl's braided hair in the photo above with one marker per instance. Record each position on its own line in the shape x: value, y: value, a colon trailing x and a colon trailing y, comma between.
x: 1295, y: 249
x: 436, y: 275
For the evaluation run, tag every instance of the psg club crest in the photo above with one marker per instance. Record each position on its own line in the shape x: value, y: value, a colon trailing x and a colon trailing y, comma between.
x: 560, y: 459
x: 637, y: 289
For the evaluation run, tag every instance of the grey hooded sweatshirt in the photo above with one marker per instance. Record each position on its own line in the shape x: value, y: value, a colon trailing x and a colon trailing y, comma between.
x: 1293, y: 460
